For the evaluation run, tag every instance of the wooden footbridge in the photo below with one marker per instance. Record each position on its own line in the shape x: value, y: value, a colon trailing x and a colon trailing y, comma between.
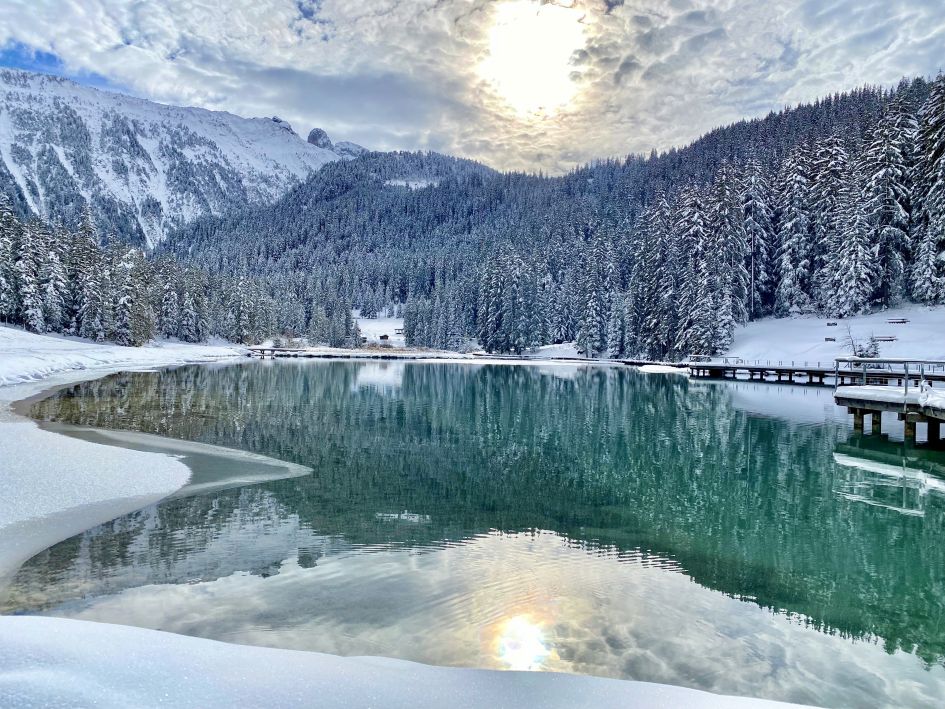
x: 845, y: 370
x: 899, y: 386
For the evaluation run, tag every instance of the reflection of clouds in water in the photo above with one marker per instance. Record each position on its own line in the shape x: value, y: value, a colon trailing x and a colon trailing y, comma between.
x: 596, y: 616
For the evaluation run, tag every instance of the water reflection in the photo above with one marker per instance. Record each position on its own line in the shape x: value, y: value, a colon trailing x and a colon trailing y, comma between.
x: 608, y: 523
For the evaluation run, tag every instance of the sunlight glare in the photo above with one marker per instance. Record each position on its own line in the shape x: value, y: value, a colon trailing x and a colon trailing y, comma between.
x: 522, y: 644
x: 529, y: 59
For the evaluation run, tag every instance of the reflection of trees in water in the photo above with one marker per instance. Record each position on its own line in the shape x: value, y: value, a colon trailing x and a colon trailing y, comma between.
x: 746, y: 505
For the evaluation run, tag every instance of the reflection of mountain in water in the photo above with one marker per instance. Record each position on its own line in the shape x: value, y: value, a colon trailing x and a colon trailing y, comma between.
x: 610, y: 458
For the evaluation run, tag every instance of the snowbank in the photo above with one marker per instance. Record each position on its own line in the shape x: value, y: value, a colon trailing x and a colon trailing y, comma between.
x: 933, y: 398
x: 47, y: 662
x: 802, y: 339
x: 664, y: 369
x: 25, y: 356
x: 52, y: 487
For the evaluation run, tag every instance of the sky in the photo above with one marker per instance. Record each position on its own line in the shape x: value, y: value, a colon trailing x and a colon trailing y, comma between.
x: 517, y: 84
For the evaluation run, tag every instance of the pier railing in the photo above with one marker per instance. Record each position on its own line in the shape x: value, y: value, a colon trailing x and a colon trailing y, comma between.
x: 870, y: 366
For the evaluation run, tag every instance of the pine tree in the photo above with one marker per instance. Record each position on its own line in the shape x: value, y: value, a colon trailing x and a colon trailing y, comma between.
x: 928, y: 272
x: 795, y: 235
x: 855, y: 262
x: 831, y: 167
x: 8, y: 237
x: 26, y: 269
x: 759, y: 229
x: 888, y: 166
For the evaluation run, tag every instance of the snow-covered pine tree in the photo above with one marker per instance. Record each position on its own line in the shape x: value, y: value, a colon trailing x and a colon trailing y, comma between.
x: 730, y: 251
x: 855, y: 260
x: 831, y: 166
x: 26, y: 269
x: 133, y: 318
x: 9, y: 227
x: 795, y: 236
x: 53, y: 283
x: 189, y: 330
x: 757, y: 208
x: 888, y: 166
x: 617, y: 327
x: 928, y: 270
x: 696, y: 305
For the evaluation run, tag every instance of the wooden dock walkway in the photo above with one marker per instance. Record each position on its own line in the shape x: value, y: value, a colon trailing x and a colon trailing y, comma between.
x: 871, y: 397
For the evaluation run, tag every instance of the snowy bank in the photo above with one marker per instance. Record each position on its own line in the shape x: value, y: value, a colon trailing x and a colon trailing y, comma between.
x: 664, y: 369
x: 26, y: 357
x: 51, y: 486
x: 48, y: 662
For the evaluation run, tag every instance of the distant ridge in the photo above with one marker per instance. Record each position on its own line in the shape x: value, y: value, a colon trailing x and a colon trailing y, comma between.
x: 145, y: 167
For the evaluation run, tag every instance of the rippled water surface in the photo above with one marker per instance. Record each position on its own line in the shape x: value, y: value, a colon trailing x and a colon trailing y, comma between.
x: 734, y: 538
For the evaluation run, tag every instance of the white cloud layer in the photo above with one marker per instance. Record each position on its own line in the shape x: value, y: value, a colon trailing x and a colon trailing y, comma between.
x: 389, y: 74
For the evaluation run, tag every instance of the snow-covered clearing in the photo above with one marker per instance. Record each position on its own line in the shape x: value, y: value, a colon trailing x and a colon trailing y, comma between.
x: 51, y: 662
x: 804, y: 339
x: 374, y: 328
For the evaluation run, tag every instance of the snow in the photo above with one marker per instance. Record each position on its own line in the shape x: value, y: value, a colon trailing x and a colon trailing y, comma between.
x: 801, y: 339
x: 664, y: 369
x: 567, y: 350
x: 885, y: 394
x: 25, y: 356
x: 932, y: 398
x: 52, y: 662
x: 373, y: 328
x: 268, y: 155
x: 46, y: 494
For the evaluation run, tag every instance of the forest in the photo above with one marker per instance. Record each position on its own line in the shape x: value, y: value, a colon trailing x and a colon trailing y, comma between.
x: 836, y: 207
x: 53, y: 280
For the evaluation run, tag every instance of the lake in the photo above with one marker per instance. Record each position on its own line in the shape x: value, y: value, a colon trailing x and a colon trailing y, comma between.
x: 737, y: 538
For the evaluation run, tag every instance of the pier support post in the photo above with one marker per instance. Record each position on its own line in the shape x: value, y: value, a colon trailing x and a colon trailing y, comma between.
x: 935, y: 431
x: 858, y: 420
x: 877, y: 422
x: 909, y: 434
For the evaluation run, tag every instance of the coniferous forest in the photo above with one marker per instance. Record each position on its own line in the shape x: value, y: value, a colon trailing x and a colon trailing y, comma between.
x: 53, y: 280
x: 836, y: 207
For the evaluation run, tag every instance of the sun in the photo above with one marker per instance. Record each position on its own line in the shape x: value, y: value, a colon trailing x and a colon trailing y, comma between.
x: 529, y: 57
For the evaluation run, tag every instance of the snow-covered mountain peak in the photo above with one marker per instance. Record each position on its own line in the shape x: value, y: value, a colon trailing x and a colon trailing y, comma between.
x: 145, y: 167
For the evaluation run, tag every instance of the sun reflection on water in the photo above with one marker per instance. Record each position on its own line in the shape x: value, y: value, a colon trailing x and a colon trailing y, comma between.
x: 522, y: 644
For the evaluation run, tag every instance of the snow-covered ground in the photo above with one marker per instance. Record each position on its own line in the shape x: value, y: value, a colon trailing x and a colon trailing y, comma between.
x: 25, y: 356
x: 52, y: 486
x: 803, y: 339
x: 373, y: 328
x: 52, y: 662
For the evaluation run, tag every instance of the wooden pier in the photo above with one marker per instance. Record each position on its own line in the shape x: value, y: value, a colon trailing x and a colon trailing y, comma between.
x: 847, y: 370
x: 891, y: 385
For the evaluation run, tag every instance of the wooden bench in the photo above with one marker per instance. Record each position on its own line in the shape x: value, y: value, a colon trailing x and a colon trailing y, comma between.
x: 898, y: 321
x: 886, y: 338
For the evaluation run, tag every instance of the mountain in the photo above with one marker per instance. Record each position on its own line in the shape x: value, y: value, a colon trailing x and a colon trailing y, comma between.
x: 145, y: 167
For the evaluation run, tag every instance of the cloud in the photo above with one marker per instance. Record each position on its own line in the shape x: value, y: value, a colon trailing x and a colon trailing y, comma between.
x: 403, y: 73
